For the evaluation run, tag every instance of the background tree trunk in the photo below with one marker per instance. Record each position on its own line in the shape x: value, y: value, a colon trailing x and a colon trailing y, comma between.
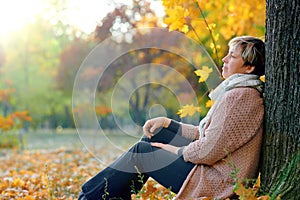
x: 280, y: 154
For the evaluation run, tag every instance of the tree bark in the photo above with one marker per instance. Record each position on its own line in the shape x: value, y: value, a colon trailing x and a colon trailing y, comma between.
x: 280, y: 152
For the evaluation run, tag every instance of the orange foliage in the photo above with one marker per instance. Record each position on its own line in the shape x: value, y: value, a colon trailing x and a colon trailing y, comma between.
x: 153, y: 190
x: 6, y: 123
x: 14, y: 120
x: 102, y: 110
x: 99, y: 109
x: 21, y: 115
x: 59, y: 174
x: 53, y: 175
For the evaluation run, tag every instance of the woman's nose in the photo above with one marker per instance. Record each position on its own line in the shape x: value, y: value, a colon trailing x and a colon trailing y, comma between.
x: 224, y: 59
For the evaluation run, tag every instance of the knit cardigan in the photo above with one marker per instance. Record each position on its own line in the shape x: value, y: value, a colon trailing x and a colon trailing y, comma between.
x: 232, y: 137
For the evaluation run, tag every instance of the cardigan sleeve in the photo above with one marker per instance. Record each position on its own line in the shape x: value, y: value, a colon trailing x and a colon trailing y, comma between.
x: 233, y: 123
x: 188, y: 131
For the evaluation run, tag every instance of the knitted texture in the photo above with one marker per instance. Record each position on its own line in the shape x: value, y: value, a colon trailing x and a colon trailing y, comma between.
x: 190, y: 131
x: 232, y: 135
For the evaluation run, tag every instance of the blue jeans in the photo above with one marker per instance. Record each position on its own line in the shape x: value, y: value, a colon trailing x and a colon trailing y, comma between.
x: 132, y: 169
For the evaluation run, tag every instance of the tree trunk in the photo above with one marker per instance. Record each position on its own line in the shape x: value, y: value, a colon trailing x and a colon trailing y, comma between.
x: 280, y: 152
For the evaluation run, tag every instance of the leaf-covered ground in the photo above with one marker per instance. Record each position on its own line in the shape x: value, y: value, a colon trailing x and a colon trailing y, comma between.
x: 56, y: 172
x: 44, y: 174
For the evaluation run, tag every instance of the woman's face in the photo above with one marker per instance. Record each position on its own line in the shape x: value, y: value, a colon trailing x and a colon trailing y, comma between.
x: 233, y: 63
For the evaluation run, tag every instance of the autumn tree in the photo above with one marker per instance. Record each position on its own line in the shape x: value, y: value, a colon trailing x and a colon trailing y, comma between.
x: 31, y: 60
x: 214, y: 23
x: 71, y: 58
x: 281, y: 158
x: 135, y: 14
x: 281, y: 153
x: 117, y: 25
x: 2, y: 55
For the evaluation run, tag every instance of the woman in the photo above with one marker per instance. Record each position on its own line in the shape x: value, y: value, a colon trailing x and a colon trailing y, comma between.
x: 196, y: 161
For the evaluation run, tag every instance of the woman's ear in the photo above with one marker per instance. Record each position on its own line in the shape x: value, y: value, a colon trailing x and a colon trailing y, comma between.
x: 250, y: 69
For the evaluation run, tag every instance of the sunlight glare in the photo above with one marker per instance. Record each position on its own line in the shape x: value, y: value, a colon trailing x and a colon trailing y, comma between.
x: 84, y: 15
x: 15, y: 13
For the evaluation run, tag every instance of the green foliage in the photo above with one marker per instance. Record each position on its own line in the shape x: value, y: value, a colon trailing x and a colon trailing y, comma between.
x: 8, y: 141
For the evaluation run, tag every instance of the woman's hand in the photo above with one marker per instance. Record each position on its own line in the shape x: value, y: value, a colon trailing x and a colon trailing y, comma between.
x: 166, y: 147
x: 152, y: 124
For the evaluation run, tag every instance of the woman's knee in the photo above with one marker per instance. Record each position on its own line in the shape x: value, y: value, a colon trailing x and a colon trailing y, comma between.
x: 141, y: 147
x: 81, y: 196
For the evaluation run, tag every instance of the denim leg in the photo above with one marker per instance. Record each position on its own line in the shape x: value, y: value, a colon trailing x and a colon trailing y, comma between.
x: 116, y: 181
x: 122, y: 176
x: 169, y: 169
x: 167, y: 136
x: 81, y: 196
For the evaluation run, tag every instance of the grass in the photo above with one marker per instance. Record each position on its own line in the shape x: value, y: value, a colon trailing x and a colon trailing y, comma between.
x: 71, y: 139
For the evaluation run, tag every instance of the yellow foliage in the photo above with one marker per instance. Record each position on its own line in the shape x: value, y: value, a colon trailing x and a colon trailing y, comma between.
x: 61, y: 180
x: 58, y: 175
x: 188, y: 110
x: 153, y: 190
x: 209, y: 103
x: 245, y: 193
x: 213, y: 23
x: 176, y: 19
x: 257, y: 183
x: 216, y: 21
x: 250, y: 193
x: 203, y: 73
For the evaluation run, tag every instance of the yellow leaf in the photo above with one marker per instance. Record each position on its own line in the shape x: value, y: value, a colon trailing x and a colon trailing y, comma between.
x: 203, y: 73
x: 188, y: 110
x: 209, y: 103
x: 29, y: 198
x: 257, y: 182
x: 185, y: 29
x: 17, y: 183
x: 211, y: 26
x: 245, y: 193
x: 263, y: 198
x: 262, y: 78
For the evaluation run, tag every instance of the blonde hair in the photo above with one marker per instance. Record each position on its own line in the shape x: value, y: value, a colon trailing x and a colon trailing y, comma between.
x: 252, y: 52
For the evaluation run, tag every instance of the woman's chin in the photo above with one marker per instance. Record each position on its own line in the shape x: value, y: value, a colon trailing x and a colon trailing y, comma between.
x: 224, y: 75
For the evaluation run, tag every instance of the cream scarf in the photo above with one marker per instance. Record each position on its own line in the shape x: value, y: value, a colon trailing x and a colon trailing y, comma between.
x: 234, y: 81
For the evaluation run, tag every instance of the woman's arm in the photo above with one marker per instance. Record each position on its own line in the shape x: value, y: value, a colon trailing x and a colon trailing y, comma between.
x: 189, y: 131
x: 152, y: 125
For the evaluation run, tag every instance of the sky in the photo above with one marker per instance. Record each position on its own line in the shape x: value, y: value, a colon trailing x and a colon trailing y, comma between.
x: 84, y: 14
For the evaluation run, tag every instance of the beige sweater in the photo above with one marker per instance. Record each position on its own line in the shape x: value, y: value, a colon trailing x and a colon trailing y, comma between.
x: 234, y: 128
